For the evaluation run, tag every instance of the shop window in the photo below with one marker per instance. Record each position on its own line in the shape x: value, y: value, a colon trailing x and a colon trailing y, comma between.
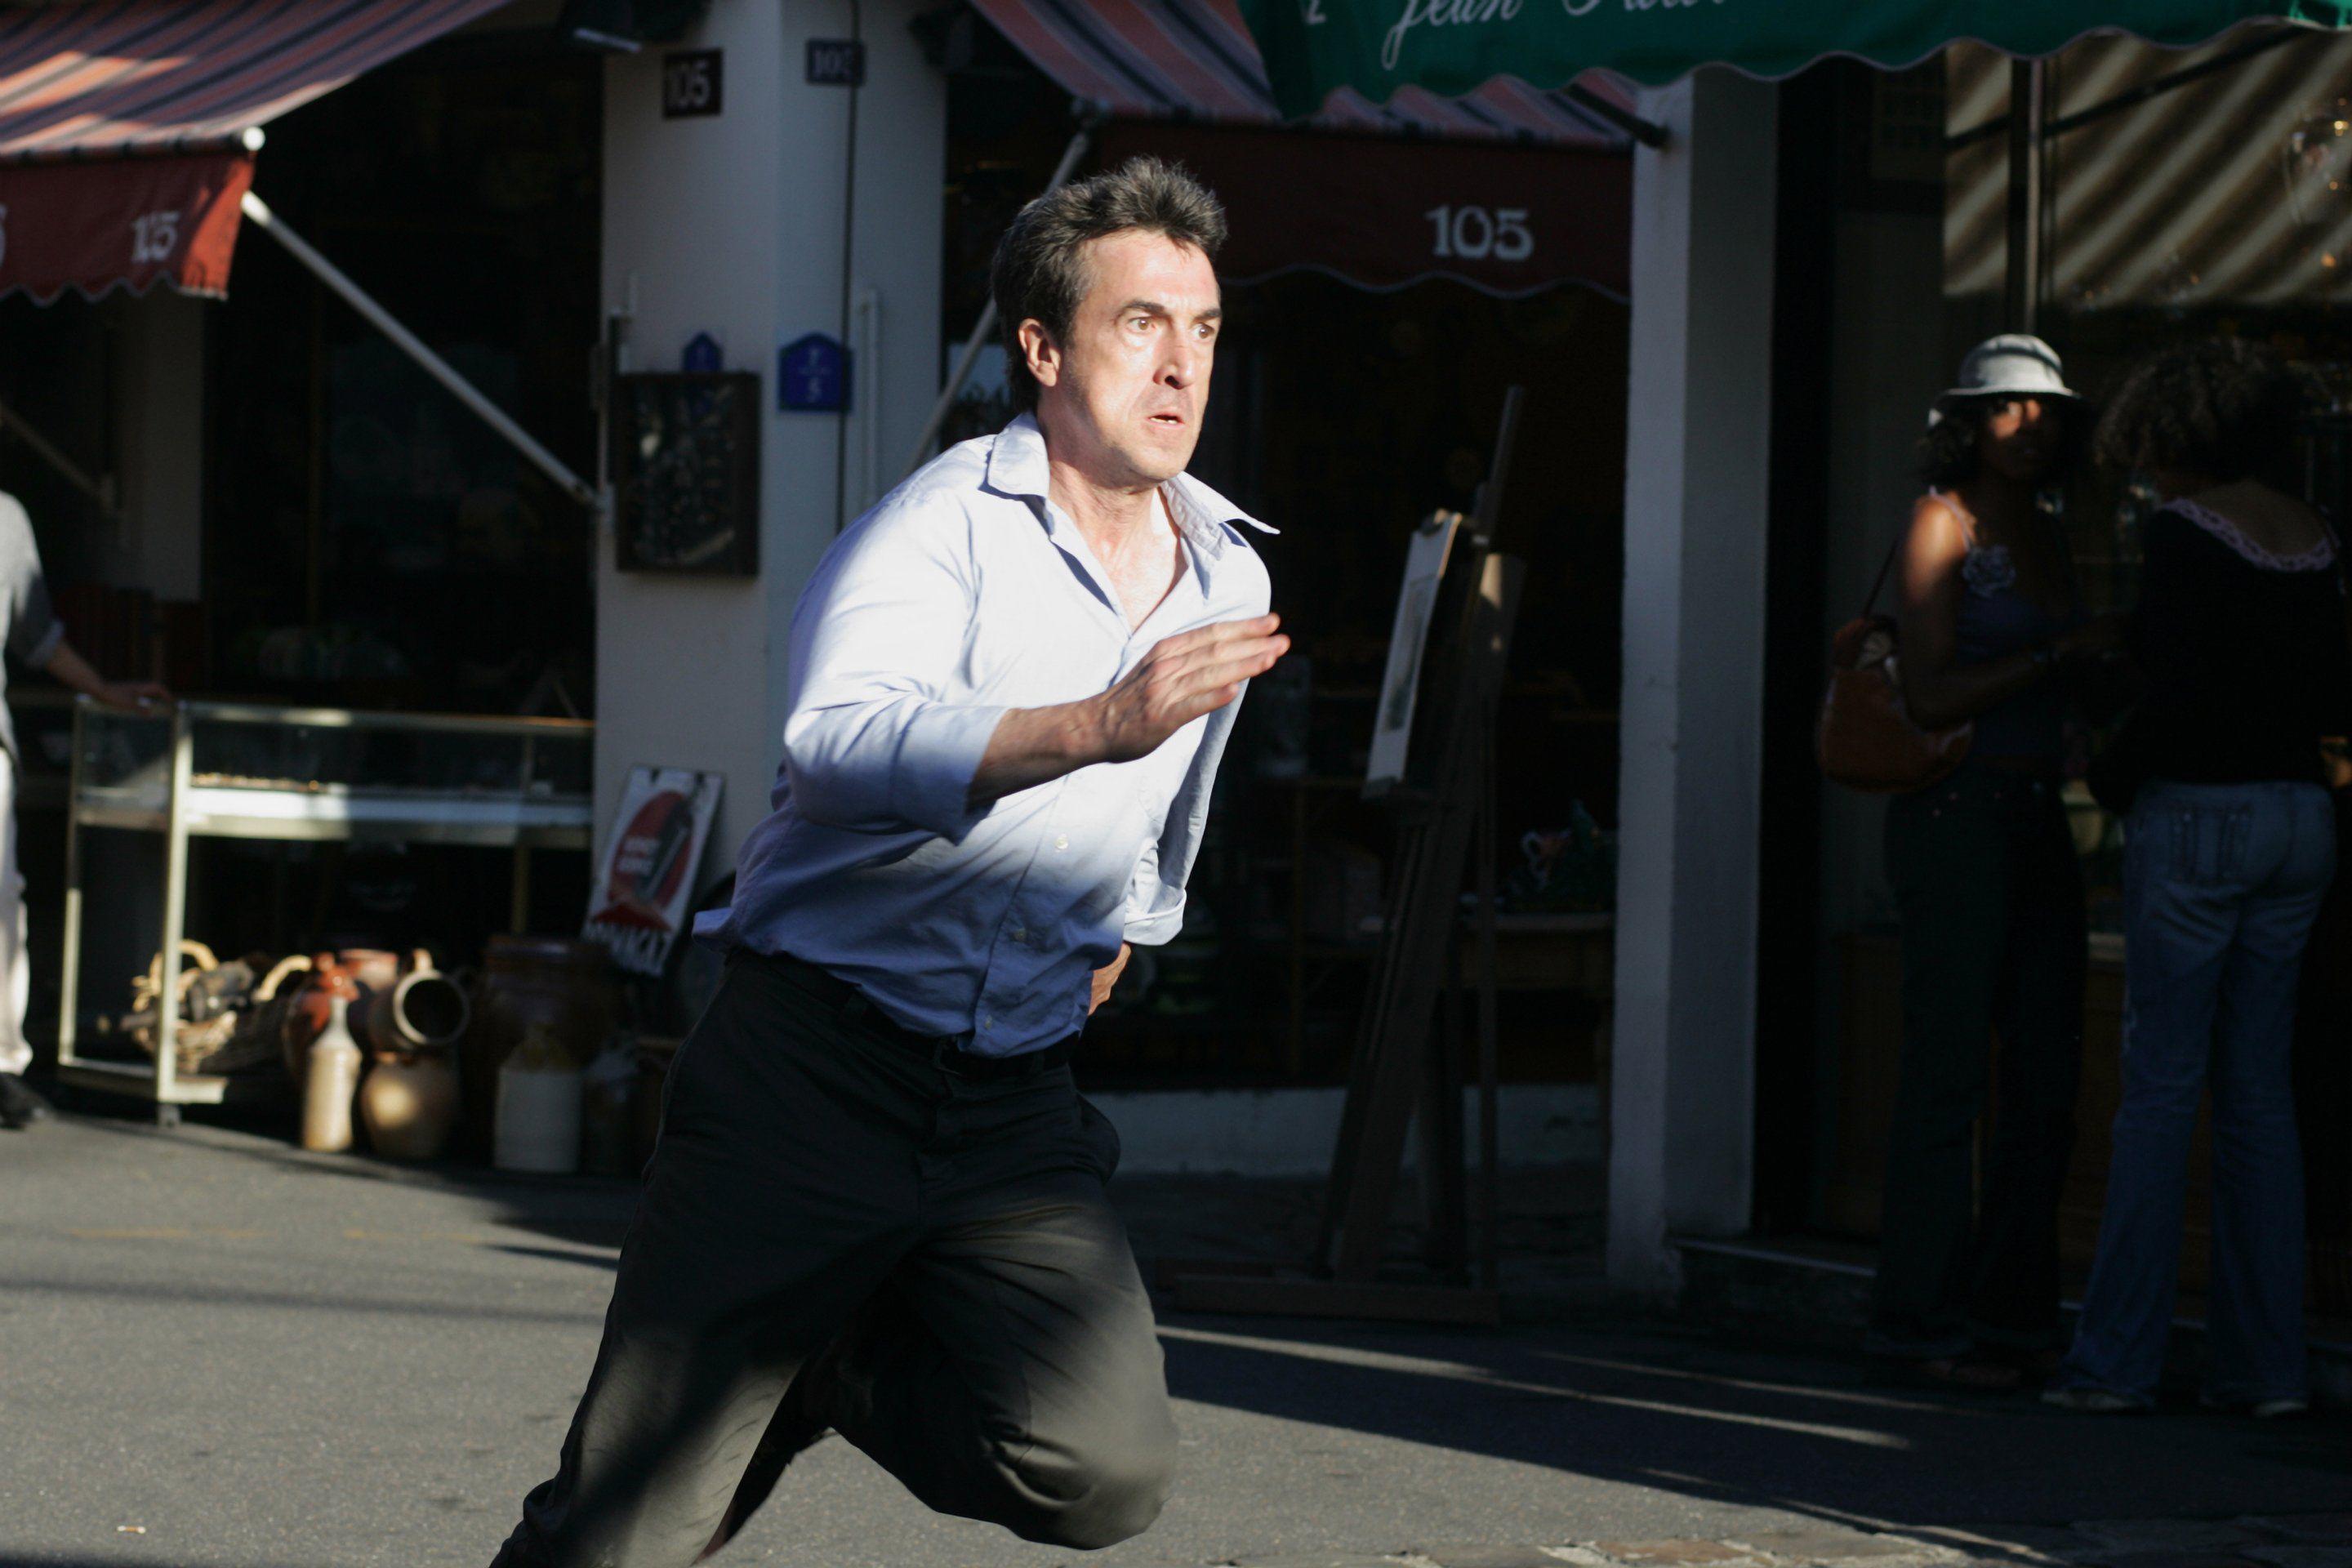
x: 369, y: 541
x: 2222, y: 206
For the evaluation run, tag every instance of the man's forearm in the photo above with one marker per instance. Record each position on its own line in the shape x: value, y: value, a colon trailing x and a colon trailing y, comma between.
x: 74, y: 673
x: 1031, y: 746
x: 73, y: 670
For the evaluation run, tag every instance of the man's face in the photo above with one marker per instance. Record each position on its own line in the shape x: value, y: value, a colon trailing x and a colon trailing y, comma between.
x: 1121, y: 401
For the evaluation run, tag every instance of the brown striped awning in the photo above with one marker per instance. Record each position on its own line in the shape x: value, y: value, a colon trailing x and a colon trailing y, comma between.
x: 127, y: 126
x: 2235, y: 190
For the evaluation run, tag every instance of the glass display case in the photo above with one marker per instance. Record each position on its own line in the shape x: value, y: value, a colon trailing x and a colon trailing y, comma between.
x: 223, y: 770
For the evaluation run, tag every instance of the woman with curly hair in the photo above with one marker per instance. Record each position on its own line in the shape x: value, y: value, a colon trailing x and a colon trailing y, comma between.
x: 2230, y: 845
x: 1994, y: 933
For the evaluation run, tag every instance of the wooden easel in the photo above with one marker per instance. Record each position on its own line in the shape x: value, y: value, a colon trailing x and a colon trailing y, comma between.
x: 1405, y: 1067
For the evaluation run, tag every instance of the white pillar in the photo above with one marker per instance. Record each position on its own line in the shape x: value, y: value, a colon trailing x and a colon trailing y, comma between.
x: 1697, y: 456
x: 731, y: 224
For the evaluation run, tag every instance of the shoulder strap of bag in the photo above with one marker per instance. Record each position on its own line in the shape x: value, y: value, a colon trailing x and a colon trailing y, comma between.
x: 1886, y: 567
x: 1878, y: 583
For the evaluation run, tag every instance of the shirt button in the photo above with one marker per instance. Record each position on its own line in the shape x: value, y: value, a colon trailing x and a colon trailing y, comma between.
x: 1061, y: 841
x: 1018, y: 935
x: 987, y: 1021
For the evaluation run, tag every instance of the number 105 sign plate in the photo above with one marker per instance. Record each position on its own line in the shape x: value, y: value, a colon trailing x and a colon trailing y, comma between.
x: 1504, y: 218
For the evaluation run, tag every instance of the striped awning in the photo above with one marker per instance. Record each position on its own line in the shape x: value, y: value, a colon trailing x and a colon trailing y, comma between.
x: 128, y: 127
x: 1193, y: 61
x: 2232, y: 191
x: 121, y: 78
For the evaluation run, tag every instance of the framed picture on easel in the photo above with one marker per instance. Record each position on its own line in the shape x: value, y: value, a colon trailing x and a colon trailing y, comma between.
x: 1424, y: 571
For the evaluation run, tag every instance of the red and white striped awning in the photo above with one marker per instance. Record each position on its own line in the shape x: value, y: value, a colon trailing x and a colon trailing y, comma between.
x: 1195, y: 60
x: 127, y: 126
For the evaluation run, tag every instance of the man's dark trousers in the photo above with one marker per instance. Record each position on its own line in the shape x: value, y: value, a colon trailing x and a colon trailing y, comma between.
x: 821, y: 1182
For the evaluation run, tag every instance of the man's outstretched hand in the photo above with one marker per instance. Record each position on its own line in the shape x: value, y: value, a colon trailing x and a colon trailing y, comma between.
x: 1181, y: 678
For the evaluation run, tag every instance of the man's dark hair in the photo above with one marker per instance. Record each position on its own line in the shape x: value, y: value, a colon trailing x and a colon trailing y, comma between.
x: 1947, y: 455
x: 2223, y: 407
x: 1040, y: 271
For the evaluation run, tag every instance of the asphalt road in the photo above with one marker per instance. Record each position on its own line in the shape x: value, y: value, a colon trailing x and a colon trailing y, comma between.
x: 215, y: 1352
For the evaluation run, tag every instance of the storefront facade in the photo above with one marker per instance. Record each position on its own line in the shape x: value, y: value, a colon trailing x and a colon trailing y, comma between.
x: 1854, y: 247
x: 302, y: 514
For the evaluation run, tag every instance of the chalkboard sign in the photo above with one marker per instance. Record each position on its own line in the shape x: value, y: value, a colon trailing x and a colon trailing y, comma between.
x: 686, y: 472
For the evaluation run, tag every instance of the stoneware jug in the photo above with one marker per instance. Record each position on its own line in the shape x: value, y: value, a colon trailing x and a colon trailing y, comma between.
x: 409, y: 1104
x: 334, y: 1078
x: 308, y: 1012
x: 422, y: 1011
x: 555, y: 982
x: 538, y: 1120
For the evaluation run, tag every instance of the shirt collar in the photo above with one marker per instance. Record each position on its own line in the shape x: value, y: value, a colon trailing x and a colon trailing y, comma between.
x: 1016, y: 467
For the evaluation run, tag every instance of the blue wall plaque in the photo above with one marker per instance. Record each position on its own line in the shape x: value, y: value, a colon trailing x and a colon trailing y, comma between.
x: 813, y: 375
x: 701, y: 356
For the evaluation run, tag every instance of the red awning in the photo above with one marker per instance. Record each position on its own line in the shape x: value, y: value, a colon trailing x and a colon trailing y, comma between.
x: 1508, y: 221
x: 127, y: 223
x: 127, y: 126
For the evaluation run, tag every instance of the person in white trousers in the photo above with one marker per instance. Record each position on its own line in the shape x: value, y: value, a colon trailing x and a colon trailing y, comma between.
x: 30, y: 630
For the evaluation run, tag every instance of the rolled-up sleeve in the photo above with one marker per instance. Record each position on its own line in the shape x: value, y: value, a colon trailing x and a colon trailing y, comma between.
x: 34, y: 629
x: 870, y: 746
x: 1155, y: 909
x: 1155, y: 895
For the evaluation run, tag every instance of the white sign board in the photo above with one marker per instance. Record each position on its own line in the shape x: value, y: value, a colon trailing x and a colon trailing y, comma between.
x: 1424, y: 568
x: 645, y: 879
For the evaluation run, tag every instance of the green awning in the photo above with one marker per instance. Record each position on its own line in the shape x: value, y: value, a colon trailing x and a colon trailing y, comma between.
x: 1452, y: 47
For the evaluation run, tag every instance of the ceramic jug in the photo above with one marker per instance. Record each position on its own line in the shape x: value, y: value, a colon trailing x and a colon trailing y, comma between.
x: 309, y: 1009
x: 421, y: 1011
x: 537, y: 1122
x: 556, y: 982
x: 409, y: 1105
x: 329, y: 1086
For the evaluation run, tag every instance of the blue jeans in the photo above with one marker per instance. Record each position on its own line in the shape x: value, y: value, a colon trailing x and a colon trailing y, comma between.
x: 2222, y: 883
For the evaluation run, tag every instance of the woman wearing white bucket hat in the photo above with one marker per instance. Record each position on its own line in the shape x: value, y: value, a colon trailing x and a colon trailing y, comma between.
x: 1994, y: 934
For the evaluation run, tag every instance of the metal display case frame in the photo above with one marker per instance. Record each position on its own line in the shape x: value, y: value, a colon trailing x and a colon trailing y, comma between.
x: 184, y: 808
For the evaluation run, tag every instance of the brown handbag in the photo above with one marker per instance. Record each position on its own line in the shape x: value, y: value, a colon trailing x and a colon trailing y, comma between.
x: 1866, y: 740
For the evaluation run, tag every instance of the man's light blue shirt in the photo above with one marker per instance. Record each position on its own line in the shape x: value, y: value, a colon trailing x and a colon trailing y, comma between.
x: 965, y: 593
